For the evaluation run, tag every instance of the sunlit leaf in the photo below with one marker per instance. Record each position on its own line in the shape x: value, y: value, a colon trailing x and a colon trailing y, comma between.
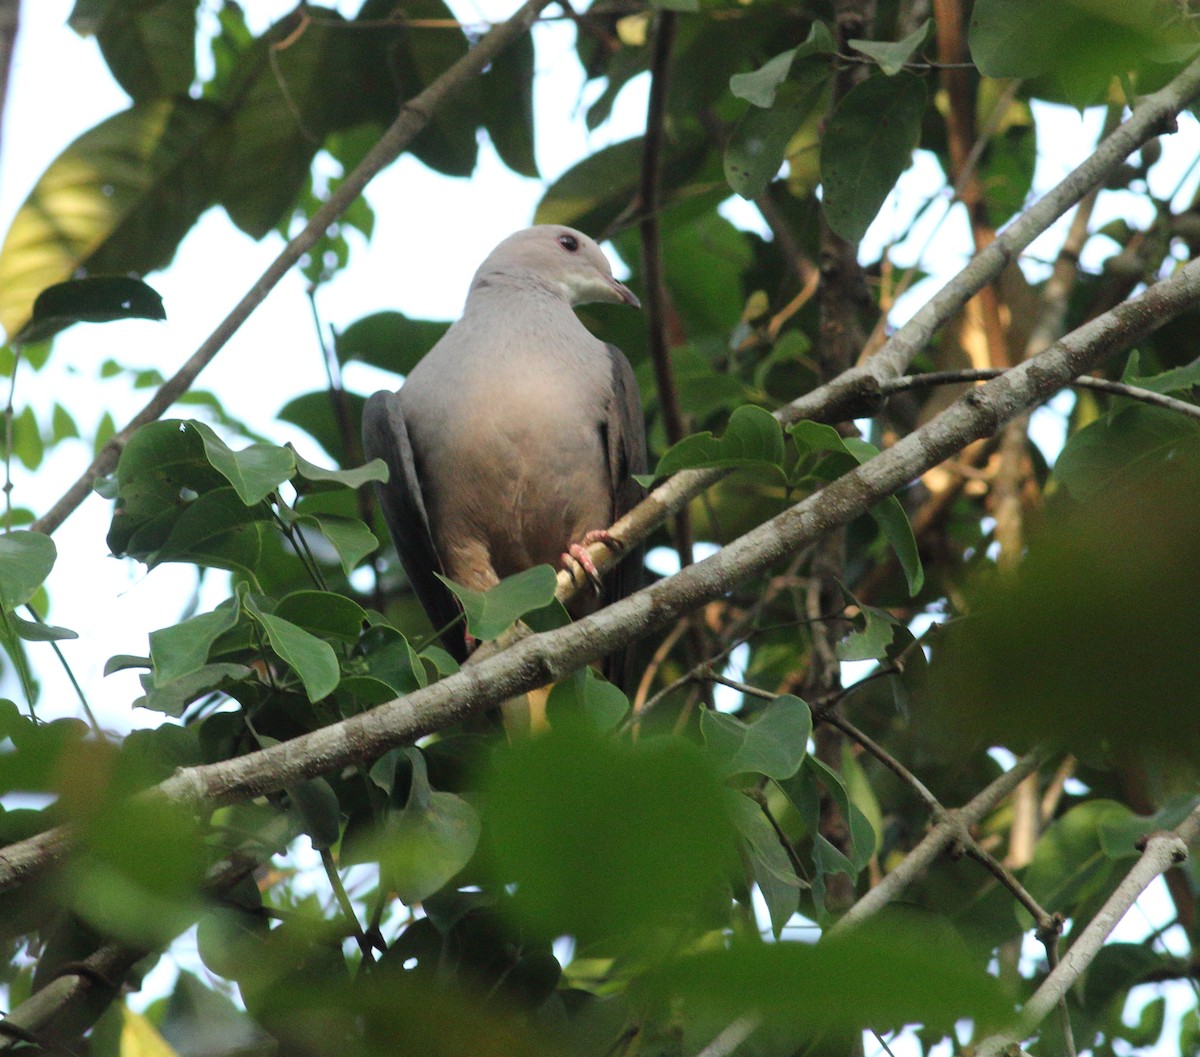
x: 117, y: 200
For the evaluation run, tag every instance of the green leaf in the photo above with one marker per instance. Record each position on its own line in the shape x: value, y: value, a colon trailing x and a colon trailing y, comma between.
x: 871, y: 642
x: 352, y: 540
x: 216, y: 530
x: 753, y: 437
x: 430, y: 841
x: 255, y: 472
x: 490, y: 613
x: 1080, y: 44
x: 591, y: 194
x: 1179, y: 380
x: 27, y: 442
x: 183, y: 648
x: 774, y: 744
x: 882, y: 974
x: 150, y: 47
x: 315, y: 414
x: 172, y: 698
x: 760, y: 139
x: 120, y: 662
x: 891, y: 56
x: 760, y: 86
x: 36, y: 631
x: 1120, y: 837
x: 26, y: 559
x: 131, y: 187
x: 1097, y: 625
x: 868, y: 143
x: 603, y: 838
x: 389, y: 340
x: 585, y: 696
x: 62, y: 424
x: 1115, y: 454
x: 768, y: 862
x: 99, y: 299
x: 506, y: 92
x: 319, y: 811
x: 389, y: 658
x: 803, y: 789
x: 811, y: 437
x: 309, y: 657
x: 1069, y: 863
x: 315, y: 478
x: 1116, y: 968
x: 324, y: 613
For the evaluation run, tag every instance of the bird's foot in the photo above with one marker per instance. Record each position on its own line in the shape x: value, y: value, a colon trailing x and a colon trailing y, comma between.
x: 605, y: 537
x: 577, y: 557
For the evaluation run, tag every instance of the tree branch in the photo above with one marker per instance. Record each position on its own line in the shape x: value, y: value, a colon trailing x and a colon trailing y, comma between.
x: 840, y: 398
x: 1162, y: 851
x: 954, y: 827
x: 414, y: 116
x: 547, y: 657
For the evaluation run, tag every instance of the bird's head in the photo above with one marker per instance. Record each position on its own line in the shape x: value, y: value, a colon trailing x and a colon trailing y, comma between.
x: 558, y: 258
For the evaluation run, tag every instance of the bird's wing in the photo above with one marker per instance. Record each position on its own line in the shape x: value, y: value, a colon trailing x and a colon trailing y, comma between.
x: 386, y: 437
x: 625, y: 434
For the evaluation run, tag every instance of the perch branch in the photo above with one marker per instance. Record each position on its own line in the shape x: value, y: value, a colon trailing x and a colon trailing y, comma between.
x: 549, y: 656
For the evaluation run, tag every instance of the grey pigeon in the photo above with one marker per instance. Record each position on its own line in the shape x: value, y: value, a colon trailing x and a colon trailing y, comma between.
x: 513, y: 442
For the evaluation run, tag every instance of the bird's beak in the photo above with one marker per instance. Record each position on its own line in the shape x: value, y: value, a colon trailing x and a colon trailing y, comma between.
x: 624, y: 295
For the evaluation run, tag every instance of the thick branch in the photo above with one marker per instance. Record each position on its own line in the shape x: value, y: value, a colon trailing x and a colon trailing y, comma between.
x: 1162, y: 851
x: 840, y: 398
x: 414, y: 116
x: 547, y: 657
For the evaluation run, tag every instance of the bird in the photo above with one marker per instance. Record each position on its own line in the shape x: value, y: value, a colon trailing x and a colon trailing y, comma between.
x: 515, y: 440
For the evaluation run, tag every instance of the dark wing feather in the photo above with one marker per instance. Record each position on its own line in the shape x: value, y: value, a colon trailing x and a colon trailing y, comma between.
x: 386, y: 437
x: 626, y: 436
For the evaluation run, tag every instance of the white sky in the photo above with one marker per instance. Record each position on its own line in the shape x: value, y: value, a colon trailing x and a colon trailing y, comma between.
x: 431, y: 232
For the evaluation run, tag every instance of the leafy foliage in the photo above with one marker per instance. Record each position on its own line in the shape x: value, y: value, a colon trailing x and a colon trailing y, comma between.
x: 634, y: 880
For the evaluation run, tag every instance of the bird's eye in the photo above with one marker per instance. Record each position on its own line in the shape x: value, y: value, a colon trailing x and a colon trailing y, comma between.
x: 568, y: 242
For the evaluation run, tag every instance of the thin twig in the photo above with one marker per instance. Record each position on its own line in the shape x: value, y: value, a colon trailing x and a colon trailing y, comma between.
x: 339, y: 892
x: 1101, y: 385
x: 1161, y: 852
x: 954, y: 826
